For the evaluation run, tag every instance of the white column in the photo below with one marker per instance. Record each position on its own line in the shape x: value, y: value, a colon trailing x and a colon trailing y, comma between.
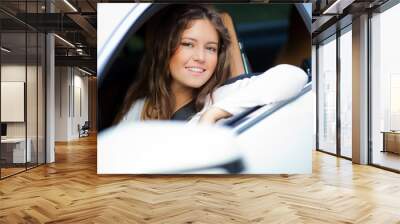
x: 50, y: 93
x: 360, y: 90
x: 50, y: 100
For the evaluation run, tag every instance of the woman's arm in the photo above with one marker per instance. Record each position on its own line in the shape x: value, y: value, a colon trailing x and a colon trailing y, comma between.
x: 213, y: 114
x: 274, y: 85
x: 277, y: 84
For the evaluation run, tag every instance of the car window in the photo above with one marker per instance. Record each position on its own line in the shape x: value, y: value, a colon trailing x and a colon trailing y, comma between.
x: 269, y: 34
x: 122, y: 70
x: 261, y: 29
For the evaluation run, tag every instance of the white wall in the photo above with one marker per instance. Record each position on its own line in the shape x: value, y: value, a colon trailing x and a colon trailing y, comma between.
x: 33, y: 126
x: 15, y: 72
x: 80, y: 89
x: 71, y: 94
x: 61, y: 103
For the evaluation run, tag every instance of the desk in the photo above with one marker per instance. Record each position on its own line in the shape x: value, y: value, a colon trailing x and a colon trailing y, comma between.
x: 391, y: 141
x: 13, y: 150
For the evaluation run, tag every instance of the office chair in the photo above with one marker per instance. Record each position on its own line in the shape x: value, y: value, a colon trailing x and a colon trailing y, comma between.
x: 84, y: 130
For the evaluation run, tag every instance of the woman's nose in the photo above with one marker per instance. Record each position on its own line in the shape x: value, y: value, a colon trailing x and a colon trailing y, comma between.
x: 199, y: 55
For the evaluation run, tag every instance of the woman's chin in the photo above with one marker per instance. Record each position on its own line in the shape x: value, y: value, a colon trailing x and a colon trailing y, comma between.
x: 195, y: 84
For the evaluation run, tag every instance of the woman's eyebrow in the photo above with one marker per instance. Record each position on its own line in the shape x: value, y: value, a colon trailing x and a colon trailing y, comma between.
x: 189, y: 38
x: 212, y: 42
x: 193, y: 39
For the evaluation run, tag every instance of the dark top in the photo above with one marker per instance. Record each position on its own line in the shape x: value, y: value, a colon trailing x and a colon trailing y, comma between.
x: 185, y: 112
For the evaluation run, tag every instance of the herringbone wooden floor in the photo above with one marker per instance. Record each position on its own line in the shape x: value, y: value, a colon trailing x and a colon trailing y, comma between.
x: 70, y: 191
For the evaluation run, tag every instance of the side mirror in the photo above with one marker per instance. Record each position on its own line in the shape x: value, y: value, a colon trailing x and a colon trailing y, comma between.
x: 166, y: 147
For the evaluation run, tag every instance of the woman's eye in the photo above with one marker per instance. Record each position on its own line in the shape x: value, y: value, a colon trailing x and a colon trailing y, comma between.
x: 186, y: 44
x: 212, y: 49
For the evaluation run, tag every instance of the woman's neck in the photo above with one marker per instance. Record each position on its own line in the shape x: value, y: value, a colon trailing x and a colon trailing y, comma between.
x: 182, y: 94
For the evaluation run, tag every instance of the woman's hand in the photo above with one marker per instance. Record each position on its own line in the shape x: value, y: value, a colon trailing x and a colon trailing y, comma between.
x: 212, y: 115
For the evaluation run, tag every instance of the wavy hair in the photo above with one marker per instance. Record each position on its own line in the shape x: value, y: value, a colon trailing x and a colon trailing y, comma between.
x: 154, y: 81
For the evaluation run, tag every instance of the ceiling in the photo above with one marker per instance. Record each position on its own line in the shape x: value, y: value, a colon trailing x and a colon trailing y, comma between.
x: 74, y: 22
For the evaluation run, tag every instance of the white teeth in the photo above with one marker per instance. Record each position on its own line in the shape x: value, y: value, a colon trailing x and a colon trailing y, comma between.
x: 194, y: 69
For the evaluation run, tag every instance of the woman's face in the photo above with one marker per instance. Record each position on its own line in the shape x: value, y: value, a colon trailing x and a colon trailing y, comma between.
x: 195, y: 59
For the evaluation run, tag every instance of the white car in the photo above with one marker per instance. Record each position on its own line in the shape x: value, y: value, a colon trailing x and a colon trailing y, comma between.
x: 271, y: 139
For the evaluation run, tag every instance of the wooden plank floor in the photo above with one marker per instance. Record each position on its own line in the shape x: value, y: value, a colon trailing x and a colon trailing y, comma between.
x: 70, y: 191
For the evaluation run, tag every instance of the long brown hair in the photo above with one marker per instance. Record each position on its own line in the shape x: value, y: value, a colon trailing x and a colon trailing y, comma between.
x: 154, y: 79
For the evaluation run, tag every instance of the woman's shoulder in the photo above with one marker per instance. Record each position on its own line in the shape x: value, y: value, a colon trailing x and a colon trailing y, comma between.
x: 135, y: 111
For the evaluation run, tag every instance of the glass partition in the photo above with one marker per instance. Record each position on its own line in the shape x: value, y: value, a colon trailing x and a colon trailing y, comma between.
x: 346, y: 93
x: 41, y: 87
x: 13, y: 111
x: 32, y: 84
x: 22, y: 90
x: 327, y: 95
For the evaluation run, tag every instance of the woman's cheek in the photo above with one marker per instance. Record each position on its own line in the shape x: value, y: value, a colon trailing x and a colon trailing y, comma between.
x: 214, y: 61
